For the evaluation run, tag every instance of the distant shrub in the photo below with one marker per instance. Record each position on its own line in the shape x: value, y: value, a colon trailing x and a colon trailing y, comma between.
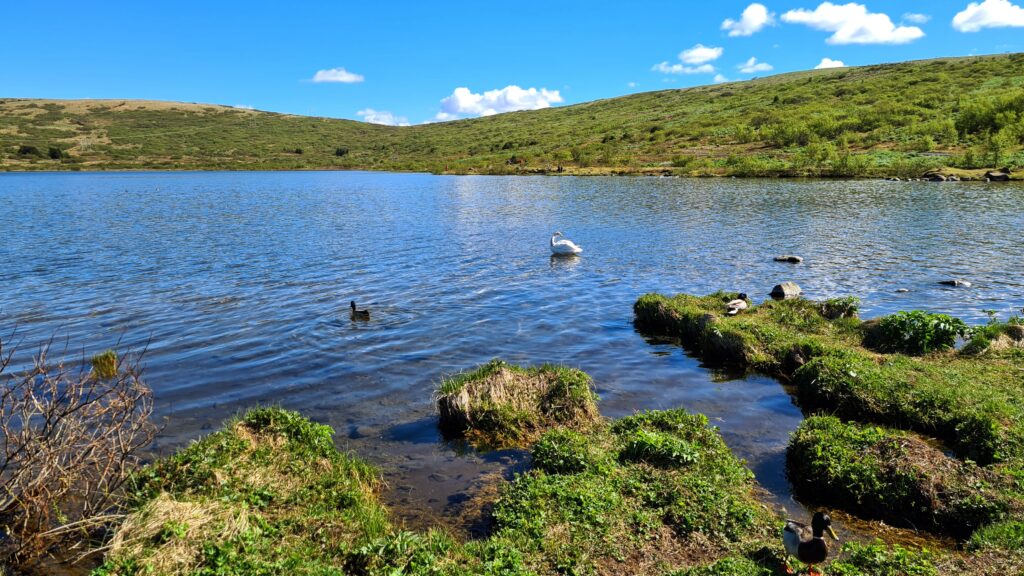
x: 341, y: 151
x: 55, y: 153
x: 681, y: 161
x: 24, y: 150
x: 297, y: 151
x: 918, y: 332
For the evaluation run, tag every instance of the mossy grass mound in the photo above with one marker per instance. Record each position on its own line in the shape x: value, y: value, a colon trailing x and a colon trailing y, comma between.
x: 268, y: 494
x: 500, y: 405
x: 974, y: 402
x: 895, y: 476
x: 644, y: 494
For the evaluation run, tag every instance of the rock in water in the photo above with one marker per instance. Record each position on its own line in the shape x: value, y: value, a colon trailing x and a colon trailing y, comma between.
x: 786, y: 290
x: 998, y: 175
x: 789, y: 258
x: 902, y: 290
x: 957, y: 283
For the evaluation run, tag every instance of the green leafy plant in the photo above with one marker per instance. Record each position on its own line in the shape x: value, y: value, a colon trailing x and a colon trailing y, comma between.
x: 918, y: 332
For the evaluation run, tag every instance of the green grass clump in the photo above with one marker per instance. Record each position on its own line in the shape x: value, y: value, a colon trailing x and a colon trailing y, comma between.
x: 104, y: 364
x: 610, y: 511
x: 269, y: 494
x: 880, y: 560
x: 501, y: 405
x: 893, y: 475
x: 566, y: 451
x: 1008, y: 535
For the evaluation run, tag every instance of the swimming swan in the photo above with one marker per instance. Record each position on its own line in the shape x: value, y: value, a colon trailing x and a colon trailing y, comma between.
x: 564, y: 246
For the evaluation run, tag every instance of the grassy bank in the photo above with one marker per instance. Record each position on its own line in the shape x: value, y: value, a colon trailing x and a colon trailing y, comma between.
x: 902, y: 372
x: 656, y: 493
x: 883, y: 120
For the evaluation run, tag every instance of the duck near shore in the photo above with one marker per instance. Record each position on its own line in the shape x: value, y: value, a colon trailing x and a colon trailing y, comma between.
x: 807, y: 543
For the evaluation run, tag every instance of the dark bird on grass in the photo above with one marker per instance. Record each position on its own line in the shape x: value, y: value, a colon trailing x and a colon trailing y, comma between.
x: 734, y: 306
x: 358, y: 314
x: 807, y: 543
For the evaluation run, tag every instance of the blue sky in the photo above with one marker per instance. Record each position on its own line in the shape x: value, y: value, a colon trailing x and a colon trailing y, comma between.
x: 420, y: 61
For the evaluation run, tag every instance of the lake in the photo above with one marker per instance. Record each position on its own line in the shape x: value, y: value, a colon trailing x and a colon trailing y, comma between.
x: 238, y: 285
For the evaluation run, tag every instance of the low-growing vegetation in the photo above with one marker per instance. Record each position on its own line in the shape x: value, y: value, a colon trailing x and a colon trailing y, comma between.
x: 895, y: 476
x: 901, y: 120
x: 971, y: 399
x: 501, y: 405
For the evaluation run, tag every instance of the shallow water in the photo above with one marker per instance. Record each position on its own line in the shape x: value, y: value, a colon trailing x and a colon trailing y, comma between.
x: 239, y: 285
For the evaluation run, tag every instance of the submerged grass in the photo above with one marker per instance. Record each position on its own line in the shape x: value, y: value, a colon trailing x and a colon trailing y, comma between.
x: 500, y: 405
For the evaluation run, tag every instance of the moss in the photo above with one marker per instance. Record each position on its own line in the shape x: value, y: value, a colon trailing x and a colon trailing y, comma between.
x: 894, y: 476
x: 501, y: 405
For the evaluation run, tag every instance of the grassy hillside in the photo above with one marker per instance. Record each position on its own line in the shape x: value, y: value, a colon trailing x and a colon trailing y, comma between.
x: 895, y: 119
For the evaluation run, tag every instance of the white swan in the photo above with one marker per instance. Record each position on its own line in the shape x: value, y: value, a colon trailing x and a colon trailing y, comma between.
x: 564, y: 246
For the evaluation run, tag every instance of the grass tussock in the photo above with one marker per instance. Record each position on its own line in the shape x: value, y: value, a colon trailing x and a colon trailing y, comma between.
x: 501, y: 405
x: 895, y: 476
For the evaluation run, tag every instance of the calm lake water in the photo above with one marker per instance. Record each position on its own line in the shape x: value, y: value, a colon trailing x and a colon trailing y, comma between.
x: 240, y: 283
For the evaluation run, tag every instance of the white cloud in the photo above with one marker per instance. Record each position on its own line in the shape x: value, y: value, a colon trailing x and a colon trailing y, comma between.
x: 988, y: 14
x: 337, y: 75
x: 700, y: 54
x: 829, y: 63
x: 853, y: 24
x: 696, y: 60
x: 666, y: 68
x: 752, y: 66
x: 719, y: 79
x: 382, y: 117
x: 916, y: 18
x: 243, y: 107
x: 754, y: 18
x: 508, y: 99
x: 631, y: 84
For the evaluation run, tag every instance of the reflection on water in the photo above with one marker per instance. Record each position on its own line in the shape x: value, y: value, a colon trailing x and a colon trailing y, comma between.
x: 240, y: 284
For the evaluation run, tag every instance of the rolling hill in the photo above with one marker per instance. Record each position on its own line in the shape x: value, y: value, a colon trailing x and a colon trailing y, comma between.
x: 891, y: 119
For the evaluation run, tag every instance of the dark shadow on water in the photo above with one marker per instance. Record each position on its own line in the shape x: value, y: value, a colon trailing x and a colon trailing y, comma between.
x: 422, y: 431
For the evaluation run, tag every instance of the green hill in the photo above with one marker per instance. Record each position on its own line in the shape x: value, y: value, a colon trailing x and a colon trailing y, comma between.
x: 892, y: 119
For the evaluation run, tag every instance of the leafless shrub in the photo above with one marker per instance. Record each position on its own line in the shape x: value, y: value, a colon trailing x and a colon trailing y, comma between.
x: 71, y: 435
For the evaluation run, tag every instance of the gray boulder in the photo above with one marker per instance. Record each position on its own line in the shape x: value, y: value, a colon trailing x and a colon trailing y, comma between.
x: 956, y: 283
x: 786, y: 290
x: 998, y: 175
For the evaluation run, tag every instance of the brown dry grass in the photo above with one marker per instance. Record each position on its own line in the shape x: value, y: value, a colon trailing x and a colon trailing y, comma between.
x: 182, y: 528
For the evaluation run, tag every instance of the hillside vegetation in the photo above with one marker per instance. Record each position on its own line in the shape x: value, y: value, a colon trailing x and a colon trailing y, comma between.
x: 893, y: 119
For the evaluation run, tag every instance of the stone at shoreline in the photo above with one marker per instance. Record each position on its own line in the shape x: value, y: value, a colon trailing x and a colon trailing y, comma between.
x: 786, y: 290
x: 789, y: 258
x: 998, y: 175
x: 957, y: 283
x: 935, y: 177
